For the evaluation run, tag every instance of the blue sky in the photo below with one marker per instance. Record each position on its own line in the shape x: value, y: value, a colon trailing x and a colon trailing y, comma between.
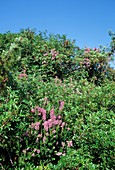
x: 86, y: 21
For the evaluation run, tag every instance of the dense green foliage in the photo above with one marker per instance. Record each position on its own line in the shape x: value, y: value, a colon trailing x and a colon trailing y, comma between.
x: 57, y: 103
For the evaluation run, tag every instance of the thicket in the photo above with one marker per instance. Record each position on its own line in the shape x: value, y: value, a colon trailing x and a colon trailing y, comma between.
x: 57, y: 103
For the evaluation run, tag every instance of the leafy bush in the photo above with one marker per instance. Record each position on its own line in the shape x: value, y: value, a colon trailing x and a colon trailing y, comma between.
x: 57, y: 103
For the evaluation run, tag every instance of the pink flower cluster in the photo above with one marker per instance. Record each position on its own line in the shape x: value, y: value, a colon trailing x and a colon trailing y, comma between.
x: 86, y: 63
x: 41, y: 111
x: 53, y: 121
x: 87, y: 50
x: 54, y: 53
x: 35, y: 125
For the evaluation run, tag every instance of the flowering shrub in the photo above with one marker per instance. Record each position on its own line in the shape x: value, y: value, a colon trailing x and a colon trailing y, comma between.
x: 57, y: 103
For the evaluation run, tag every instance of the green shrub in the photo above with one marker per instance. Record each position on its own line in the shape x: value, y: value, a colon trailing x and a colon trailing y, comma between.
x: 57, y: 104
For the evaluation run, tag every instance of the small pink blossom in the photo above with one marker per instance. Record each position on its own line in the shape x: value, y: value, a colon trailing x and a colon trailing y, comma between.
x: 54, y: 53
x: 46, y: 125
x: 44, y: 139
x: 54, y: 131
x: 39, y: 135
x: 35, y: 149
x: 94, y: 49
x: 52, y: 115
x: 68, y: 129
x: 59, y: 117
x: 32, y: 125
x: 57, y: 143
x: 50, y: 122
x: 63, y: 144
x: 45, y: 54
x: 56, y: 122
x: 87, y: 50
x: 33, y: 110
x: 33, y: 154
x: 47, y: 134
x: 63, y: 124
x: 38, y: 151
x: 59, y: 153
x: 43, y: 112
x: 60, y: 122
x: 69, y: 143
x: 24, y: 151
x: 37, y: 124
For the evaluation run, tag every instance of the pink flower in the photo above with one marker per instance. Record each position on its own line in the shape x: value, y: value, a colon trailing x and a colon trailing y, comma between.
x: 59, y: 117
x: 63, y: 124
x: 38, y: 151
x: 24, y: 151
x: 68, y: 129
x: 61, y: 104
x: 94, y: 49
x: 33, y: 110
x: 44, y: 139
x: 57, y: 143
x: 59, y: 153
x: 87, y: 50
x: 50, y: 123
x: 45, y: 54
x: 54, y: 53
x: 37, y: 124
x: 56, y: 122
x: 60, y: 122
x: 39, y: 135
x: 46, y: 124
x: 54, y: 131
x: 47, y: 134
x: 44, y: 117
x: 33, y: 154
x: 22, y: 75
x: 43, y: 112
x: 52, y: 115
x: 37, y: 140
x: 69, y: 143
x: 35, y: 149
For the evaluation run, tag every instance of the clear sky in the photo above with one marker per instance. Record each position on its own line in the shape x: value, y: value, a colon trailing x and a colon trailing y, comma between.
x: 86, y: 21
